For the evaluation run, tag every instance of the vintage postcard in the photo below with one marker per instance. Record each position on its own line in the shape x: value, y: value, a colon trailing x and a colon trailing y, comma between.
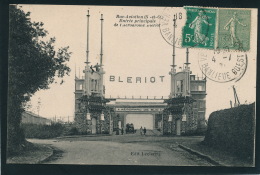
x: 117, y: 85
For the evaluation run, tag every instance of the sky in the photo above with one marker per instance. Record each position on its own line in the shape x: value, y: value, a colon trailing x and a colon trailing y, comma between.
x: 128, y: 52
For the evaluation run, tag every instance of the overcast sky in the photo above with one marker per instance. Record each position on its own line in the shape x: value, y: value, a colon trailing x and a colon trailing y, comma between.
x: 128, y: 52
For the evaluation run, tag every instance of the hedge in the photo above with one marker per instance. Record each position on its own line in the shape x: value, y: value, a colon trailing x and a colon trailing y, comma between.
x: 233, y: 130
x: 43, y: 131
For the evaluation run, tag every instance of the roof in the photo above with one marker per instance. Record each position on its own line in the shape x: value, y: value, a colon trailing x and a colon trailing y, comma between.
x: 34, y: 115
x: 137, y: 103
x: 96, y: 99
x: 182, y: 99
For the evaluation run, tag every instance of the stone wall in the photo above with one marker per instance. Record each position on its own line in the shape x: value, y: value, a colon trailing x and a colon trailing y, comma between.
x: 81, y: 123
x: 233, y: 130
x: 187, y: 127
x: 29, y: 117
x: 158, y: 118
x: 84, y: 126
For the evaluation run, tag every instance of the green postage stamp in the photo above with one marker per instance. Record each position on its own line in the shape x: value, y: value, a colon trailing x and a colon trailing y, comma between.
x: 199, y: 30
x: 213, y: 28
x: 234, y: 29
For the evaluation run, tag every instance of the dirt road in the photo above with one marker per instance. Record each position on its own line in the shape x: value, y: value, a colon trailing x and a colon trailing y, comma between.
x: 116, y: 150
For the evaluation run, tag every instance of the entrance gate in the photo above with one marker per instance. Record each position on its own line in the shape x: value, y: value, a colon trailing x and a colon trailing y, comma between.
x: 144, y: 120
x: 178, y: 127
x: 94, y: 125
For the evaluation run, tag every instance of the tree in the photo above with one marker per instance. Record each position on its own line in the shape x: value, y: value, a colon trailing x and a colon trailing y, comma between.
x: 33, y: 65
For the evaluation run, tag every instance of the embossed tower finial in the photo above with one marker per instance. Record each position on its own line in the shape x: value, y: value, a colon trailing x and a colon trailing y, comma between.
x: 87, y: 51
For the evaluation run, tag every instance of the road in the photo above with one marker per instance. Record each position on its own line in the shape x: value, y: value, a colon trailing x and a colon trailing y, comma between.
x: 122, y: 150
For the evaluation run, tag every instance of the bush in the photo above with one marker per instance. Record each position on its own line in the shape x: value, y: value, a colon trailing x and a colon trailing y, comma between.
x: 43, y: 131
x: 167, y: 133
x: 233, y: 130
x: 105, y: 132
x: 16, y: 146
x: 73, y: 131
x: 197, y: 132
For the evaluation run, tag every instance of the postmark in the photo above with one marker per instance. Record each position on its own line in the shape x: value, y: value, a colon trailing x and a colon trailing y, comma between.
x: 199, y: 29
x: 234, y: 26
x: 223, y: 66
x: 166, y: 24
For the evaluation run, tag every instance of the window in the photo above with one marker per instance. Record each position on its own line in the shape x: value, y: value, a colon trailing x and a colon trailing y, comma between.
x: 92, y: 85
x: 195, y: 104
x: 79, y: 86
x: 77, y: 107
x: 199, y: 88
x: 202, y: 104
x: 180, y: 86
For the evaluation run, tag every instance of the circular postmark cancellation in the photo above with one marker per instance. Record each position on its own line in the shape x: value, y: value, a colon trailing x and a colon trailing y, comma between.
x: 166, y: 24
x: 223, y: 66
x: 195, y: 27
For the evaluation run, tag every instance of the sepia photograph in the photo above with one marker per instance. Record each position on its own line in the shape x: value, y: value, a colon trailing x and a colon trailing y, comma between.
x: 131, y: 85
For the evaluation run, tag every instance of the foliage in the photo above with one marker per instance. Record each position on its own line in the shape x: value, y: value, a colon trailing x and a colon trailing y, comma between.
x: 70, y: 129
x: 43, y: 131
x: 105, y: 132
x: 73, y: 131
x: 197, y: 132
x: 33, y: 65
x: 233, y: 130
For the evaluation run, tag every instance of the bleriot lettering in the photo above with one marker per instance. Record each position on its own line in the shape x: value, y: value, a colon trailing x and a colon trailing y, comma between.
x: 128, y: 79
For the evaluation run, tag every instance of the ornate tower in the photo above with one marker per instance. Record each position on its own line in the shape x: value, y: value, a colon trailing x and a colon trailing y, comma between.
x: 182, y: 116
x: 91, y: 114
x: 94, y: 74
x: 87, y: 70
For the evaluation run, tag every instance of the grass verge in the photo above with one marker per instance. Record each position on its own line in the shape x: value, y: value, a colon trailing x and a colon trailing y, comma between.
x: 221, y: 156
x: 31, y: 154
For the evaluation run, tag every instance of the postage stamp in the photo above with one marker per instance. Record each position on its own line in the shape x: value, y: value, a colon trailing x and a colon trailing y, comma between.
x: 234, y: 29
x: 223, y: 66
x: 199, y: 30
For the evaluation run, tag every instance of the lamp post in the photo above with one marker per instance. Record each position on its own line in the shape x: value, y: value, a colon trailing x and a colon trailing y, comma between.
x: 184, y: 118
x: 102, y: 118
x: 110, y: 124
x: 170, y: 120
x: 162, y: 123
x: 88, y: 116
x: 88, y: 120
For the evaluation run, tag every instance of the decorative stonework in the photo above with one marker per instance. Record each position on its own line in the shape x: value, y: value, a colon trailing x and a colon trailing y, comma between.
x: 178, y: 107
x: 84, y: 126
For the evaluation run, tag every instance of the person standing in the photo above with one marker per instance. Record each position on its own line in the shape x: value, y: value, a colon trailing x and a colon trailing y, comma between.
x: 122, y: 131
x: 141, y: 130
x: 144, y: 130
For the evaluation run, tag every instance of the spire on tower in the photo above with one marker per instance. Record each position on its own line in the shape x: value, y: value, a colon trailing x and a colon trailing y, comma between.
x: 87, y: 52
x: 173, y: 44
x: 101, y: 49
x: 187, y: 59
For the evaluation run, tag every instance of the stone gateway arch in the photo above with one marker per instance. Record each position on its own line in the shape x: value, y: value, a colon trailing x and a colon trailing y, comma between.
x: 183, y: 112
